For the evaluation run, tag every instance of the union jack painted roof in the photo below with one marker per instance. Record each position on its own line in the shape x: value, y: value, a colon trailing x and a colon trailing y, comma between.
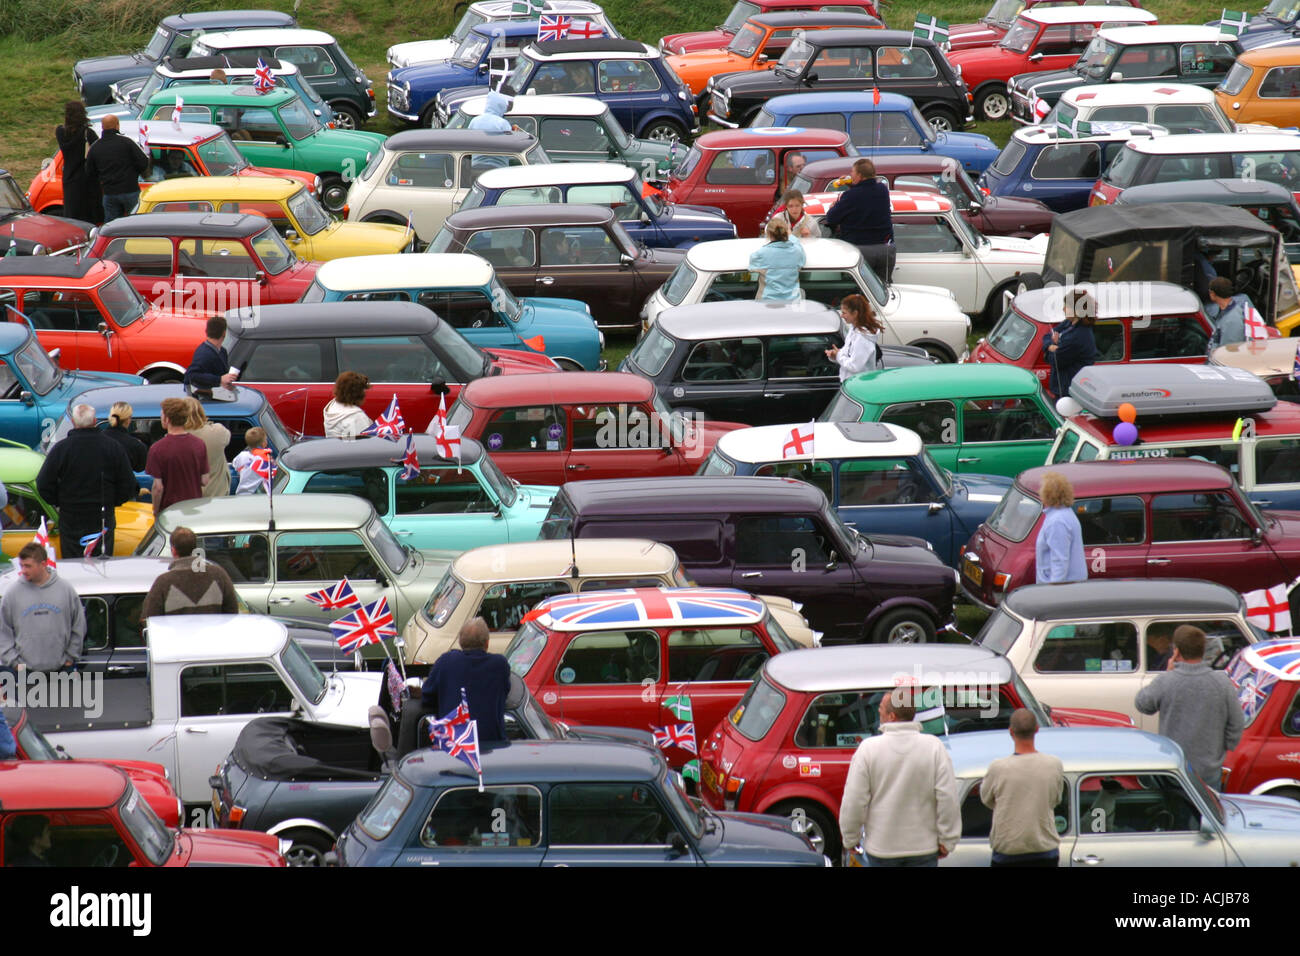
x: 653, y: 607
x: 818, y: 204
x: 1280, y: 657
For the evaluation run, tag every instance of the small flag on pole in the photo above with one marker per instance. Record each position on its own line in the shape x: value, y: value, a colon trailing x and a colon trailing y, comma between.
x: 1256, y: 327
x: 176, y: 112
x: 368, y: 624
x: 1295, y: 369
x: 526, y: 7
x: 143, y: 136
x: 91, y: 541
x: 13, y: 242
x: 1232, y: 23
x: 263, y: 79
x: 927, y: 27
x: 410, y: 461
x: 1040, y: 108
x: 389, y: 425
x: 553, y: 27
x: 42, y: 538
x: 457, y: 734
x: 585, y: 30
x: 336, y: 598
x: 799, y: 442
x: 1269, y: 608
x: 681, y: 736
x: 680, y: 705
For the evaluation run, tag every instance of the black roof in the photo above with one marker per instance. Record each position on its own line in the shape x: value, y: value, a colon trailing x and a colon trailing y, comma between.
x: 216, y: 225
x: 536, y: 761
x: 1224, y: 192
x: 691, y: 494
x: 57, y: 267
x: 457, y: 139
x: 525, y: 214
x: 1170, y: 220
x: 859, y: 37
x: 812, y: 18
x: 331, y: 318
x: 598, y: 45
x: 182, y: 64
x: 1104, y: 598
x: 319, y: 454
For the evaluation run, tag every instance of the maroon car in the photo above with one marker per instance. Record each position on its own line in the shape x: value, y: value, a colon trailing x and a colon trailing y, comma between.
x: 22, y: 224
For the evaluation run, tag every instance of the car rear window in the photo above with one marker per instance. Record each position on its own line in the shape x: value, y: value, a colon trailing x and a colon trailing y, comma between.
x: 1012, y: 335
x: 758, y: 709
x: 1124, y: 167
x: 1016, y: 515
x: 1010, y: 157
x: 382, y: 813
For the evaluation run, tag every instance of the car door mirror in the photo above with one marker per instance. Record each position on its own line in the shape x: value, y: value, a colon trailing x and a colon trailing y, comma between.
x: 281, y: 141
x: 25, y: 397
x: 763, y: 58
x: 54, y: 355
x: 290, y: 235
x: 975, y: 206
x: 936, y: 507
x: 1116, y: 77
x: 482, y: 67
x: 834, y: 562
x: 439, y: 386
x: 677, y: 844
x: 625, y: 259
x: 965, y: 251
x: 811, y: 78
x: 381, y: 579
x: 1207, y: 831
x: 1257, y: 537
x: 260, y: 276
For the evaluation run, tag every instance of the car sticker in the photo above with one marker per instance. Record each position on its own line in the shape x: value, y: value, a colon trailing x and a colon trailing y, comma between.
x: 568, y: 675
x: 1092, y: 664
x: 555, y: 432
x: 849, y: 740
x: 678, y: 392
x: 1290, y: 758
x: 1109, y: 665
x: 130, y: 804
x: 495, y: 441
x: 809, y: 769
x: 406, y: 182
x: 550, y: 697
x: 663, y: 97
x: 1125, y: 665
x: 789, y: 762
x: 552, y: 445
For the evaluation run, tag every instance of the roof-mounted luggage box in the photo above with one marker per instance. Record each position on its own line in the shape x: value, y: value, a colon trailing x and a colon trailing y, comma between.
x: 1166, y: 390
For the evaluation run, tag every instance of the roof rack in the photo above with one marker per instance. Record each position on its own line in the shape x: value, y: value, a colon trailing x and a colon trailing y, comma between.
x: 1169, y: 390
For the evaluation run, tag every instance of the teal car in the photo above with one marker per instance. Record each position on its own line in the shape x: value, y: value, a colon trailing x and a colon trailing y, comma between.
x: 974, y: 419
x: 464, y: 291
x: 450, y: 506
x: 275, y: 129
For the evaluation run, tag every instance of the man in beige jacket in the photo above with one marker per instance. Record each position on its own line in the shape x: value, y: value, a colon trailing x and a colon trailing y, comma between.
x: 902, y: 790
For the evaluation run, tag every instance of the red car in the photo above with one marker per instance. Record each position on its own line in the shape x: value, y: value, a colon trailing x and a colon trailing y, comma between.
x: 572, y: 425
x: 743, y: 171
x: 1267, y: 760
x: 1042, y: 38
x: 21, y: 224
x: 1143, y: 517
x: 994, y: 25
x: 664, y: 658
x: 721, y: 35
x: 785, y: 748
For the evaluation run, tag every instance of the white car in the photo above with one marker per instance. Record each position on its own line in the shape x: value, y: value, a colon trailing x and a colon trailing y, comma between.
x: 920, y: 315
x: 1177, y: 107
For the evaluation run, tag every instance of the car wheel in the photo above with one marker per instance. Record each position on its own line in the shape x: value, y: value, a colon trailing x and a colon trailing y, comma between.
x: 814, y: 823
x: 663, y: 130
x: 347, y: 116
x: 569, y: 365
x: 333, y: 193
x: 1291, y: 793
x: 385, y: 219
x: 308, y: 847
x: 937, y: 351
x: 993, y: 308
x: 993, y: 104
x: 904, y: 626
x: 941, y: 119
x: 1031, y: 280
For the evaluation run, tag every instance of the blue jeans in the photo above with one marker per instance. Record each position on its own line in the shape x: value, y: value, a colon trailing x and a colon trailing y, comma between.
x: 117, y: 205
x: 927, y: 859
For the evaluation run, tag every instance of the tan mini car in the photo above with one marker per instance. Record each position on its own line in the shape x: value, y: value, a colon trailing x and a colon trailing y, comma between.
x: 504, y: 582
x: 1273, y: 360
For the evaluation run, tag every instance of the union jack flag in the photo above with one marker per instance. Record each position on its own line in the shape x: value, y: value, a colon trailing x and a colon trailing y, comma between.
x: 681, y: 736
x: 457, y: 734
x: 43, y: 539
x: 396, y: 689
x: 263, y: 466
x: 389, y: 425
x: 410, y: 461
x: 644, y: 605
x: 263, y: 80
x: 1280, y: 657
x: 551, y: 27
x: 368, y: 624
x: 1295, y: 369
x: 1253, y: 686
x: 336, y: 598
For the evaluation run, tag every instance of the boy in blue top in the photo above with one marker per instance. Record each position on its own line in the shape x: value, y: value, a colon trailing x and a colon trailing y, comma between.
x: 1227, y: 312
x: 1059, y: 548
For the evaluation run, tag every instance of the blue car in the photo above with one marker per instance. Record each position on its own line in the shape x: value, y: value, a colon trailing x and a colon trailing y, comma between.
x: 892, y: 127
x: 1276, y: 24
x: 464, y: 290
x: 877, y: 476
x: 486, y: 55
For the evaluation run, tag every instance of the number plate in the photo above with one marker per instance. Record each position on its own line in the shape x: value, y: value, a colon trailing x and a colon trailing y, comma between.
x: 972, y: 570
x: 709, y: 778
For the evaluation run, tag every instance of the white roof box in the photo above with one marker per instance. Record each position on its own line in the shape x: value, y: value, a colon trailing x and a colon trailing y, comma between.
x: 1170, y: 390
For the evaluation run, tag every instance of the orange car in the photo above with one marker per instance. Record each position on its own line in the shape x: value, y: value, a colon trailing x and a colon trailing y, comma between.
x: 758, y: 44
x: 1263, y: 86
x: 177, y: 150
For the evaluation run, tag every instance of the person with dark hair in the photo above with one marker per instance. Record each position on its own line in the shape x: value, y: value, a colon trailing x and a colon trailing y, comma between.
x: 210, y: 365
x: 119, y: 425
x: 861, y: 349
x: 192, y: 584
x: 1228, y: 313
x: 1070, y: 346
x: 117, y: 162
x: 862, y: 216
x: 780, y: 260
x: 343, y: 415
x: 27, y: 841
x: 178, y: 461
x: 42, y: 624
x: 1022, y: 791
x: 81, y: 198
x: 485, y: 678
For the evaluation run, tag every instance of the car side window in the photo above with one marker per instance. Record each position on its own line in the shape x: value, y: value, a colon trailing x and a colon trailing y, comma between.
x: 370, y: 484
x: 801, y: 356
x: 1282, y: 82
x: 904, y: 63
x: 439, y: 491
x: 1118, y: 520
x: 323, y: 556
x: 816, y: 473
x: 215, y: 258
x: 1109, y: 646
x: 842, y: 63
x: 141, y: 256
x: 127, y: 621
x: 504, y: 248
x: 610, y: 657
x: 1118, y: 114
x: 925, y: 234
x: 1277, y: 461
x: 839, y: 720
x: 892, y: 129
x: 182, y: 206
x: 1147, y: 61
x: 391, y: 358
x: 1168, y: 335
x: 469, y: 309
x: 269, y: 210
x: 627, y: 76
x: 70, y: 311
x: 881, y: 481
x: 1205, y: 59
x: 714, y: 654
x: 935, y: 422
x: 504, y: 605
x: 607, y: 814
x: 579, y: 245
x: 290, y: 360
x: 772, y: 540
x: 1223, y: 638
x: 833, y: 121
x: 573, y: 133
x: 255, y: 125
x: 534, y: 428
x: 1136, y: 803
x: 474, y: 165
x: 223, y: 689
x: 423, y: 170
x: 977, y: 819
x: 1187, y: 119
x: 561, y: 77
x: 1055, y: 41
x: 608, y: 584
x: 243, y: 556
x: 1004, y: 419
x: 22, y: 512
x: 1197, y: 517
x: 79, y: 838
x: 497, y: 818
x: 1071, y: 161
x: 725, y: 360
x: 614, y: 427
x: 310, y: 60
x: 1109, y: 337
x: 742, y: 167
x: 96, y: 613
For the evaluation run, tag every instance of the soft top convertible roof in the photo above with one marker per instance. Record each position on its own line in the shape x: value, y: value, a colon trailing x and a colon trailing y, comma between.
x: 286, y: 748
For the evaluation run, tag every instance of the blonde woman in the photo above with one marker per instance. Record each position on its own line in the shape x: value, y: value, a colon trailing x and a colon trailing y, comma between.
x: 1059, y: 548
x: 215, y: 438
x: 780, y: 260
x: 119, y: 429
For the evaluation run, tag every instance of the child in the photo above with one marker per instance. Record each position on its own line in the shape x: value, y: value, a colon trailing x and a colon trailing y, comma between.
x: 249, y: 481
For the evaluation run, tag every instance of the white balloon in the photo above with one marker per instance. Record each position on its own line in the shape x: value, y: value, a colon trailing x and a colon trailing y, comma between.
x: 1068, y: 407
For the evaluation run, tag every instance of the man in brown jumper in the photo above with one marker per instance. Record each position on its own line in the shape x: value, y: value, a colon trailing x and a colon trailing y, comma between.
x: 192, y: 585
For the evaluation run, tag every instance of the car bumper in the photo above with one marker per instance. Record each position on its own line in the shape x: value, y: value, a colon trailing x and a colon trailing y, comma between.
x: 977, y: 600
x: 721, y: 122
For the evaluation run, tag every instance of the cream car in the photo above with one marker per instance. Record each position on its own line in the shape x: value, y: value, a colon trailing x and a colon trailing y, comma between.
x: 502, y: 583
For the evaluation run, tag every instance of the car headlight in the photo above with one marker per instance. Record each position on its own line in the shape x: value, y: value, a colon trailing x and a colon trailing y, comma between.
x: 316, y: 184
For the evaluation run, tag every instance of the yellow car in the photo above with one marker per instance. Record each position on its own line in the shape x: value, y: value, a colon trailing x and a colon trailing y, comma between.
x: 296, y: 214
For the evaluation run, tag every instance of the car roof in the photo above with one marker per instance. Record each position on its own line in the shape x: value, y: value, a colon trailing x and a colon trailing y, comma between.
x: 14, y: 334
x: 1080, y: 750
x: 222, y: 225
x: 19, y: 465
x: 1228, y: 192
x: 236, y: 514
x: 1263, y: 357
x: 560, y: 388
x: 1282, y: 419
x: 831, y: 440
x: 506, y: 28
x: 1105, y: 132
x: 1281, y: 55
x: 1134, y: 476
x: 850, y: 667
x: 126, y: 575
x: 51, y: 267
x: 595, y: 47
x: 399, y: 271
x: 321, y: 454
x: 1101, y: 94
x: 594, y: 557
x: 555, y: 174
x: 855, y: 36
x: 813, y: 18
x: 271, y: 36
x: 1109, y: 597
x: 690, y: 494
x: 967, y: 380
x: 621, y: 608
x: 1277, y: 657
x: 226, y: 19
x: 759, y: 136
x: 60, y: 785
x: 1165, y: 33
x: 146, y: 400
x: 1086, y: 13
x: 199, y: 638
x: 1194, y: 143
x: 858, y: 102
x: 537, y: 105
x: 221, y: 94
x: 1112, y: 300
x: 531, y: 762
x: 542, y: 214
x: 332, y: 318
x: 462, y: 139
x: 217, y: 188
x: 730, y: 255
x: 236, y: 63
x: 708, y: 320
x: 166, y: 134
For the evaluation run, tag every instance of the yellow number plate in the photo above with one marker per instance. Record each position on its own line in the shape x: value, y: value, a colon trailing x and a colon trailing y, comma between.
x: 972, y: 570
x: 708, y: 777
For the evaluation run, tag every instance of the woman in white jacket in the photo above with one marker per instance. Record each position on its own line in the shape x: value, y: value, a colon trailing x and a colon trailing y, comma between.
x: 861, y: 349
x: 343, y: 415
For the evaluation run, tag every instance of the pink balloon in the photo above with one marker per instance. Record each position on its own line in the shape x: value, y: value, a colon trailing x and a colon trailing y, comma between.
x: 1125, y: 433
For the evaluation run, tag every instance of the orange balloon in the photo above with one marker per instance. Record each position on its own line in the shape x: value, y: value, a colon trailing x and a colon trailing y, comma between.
x: 1127, y: 413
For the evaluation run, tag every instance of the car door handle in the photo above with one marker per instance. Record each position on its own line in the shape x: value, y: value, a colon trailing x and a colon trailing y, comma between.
x: 119, y: 669
x: 752, y: 574
x: 400, y: 534
x: 967, y: 461
x: 280, y: 600
x: 1088, y: 860
x: 577, y: 467
x: 1158, y: 560
x: 774, y: 394
x: 546, y: 280
x: 1261, y: 502
x: 195, y: 730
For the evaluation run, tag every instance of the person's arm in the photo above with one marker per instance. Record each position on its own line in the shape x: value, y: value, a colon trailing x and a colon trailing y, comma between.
x: 77, y: 639
x: 1236, y: 720
x: 1147, y: 700
x: 124, y: 484
x: 1057, y: 539
x: 156, y: 493
x: 203, y: 371
x: 856, y: 355
x: 814, y: 230
x: 989, y: 789
x: 835, y: 215
x: 947, y: 810
x: 798, y: 255
x: 9, y: 656
x: 47, y: 479
x: 229, y: 599
x: 153, y: 601
x: 853, y: 805
x: 139, y: 159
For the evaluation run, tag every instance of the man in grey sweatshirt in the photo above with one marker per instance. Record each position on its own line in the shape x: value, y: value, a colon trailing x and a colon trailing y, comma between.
x: 42, y: 624
x: 1198, y: 706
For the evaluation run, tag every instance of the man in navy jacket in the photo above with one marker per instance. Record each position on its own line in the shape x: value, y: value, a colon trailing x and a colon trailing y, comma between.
x: 484, y: 677
x: 210, y: 365
x: 862, y: 217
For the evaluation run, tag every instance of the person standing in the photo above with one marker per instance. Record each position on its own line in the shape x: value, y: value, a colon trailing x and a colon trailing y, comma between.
x: 215, y: 438
x: 901, y: 791
x: 797, y: 222
x: 42, y: 624
x: 1070, y: 346
x: 8, y: 746
x: 1228, y: 313
x: 81, y: 198
x: 178, y: 461
x: 343, y: 415
x: 780, y: 260
x: 119, y: 429
x: 210, y: 365
x: 250, y: 482
x: 485, y: 678
x: 862, y: 217
x: 493, y: 118
x: 191, y: 585
x: 1058, y: 551
x: 117, y: 163
x: 86, y: 476
x: 1198, y: 706
x: 861, y: 349
x: 1023, y: 790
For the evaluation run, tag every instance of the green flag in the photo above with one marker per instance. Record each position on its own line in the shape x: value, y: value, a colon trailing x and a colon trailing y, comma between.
x: 691, y: 770
x: 1232, y: 23
x: 680, y: 705
x: 527, y: 7
x: 930, y: 28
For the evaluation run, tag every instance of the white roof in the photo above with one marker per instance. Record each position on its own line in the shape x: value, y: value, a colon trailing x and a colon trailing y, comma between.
x: 1175, y: 33
x: 1087, y: 13
x: 1104, y: 131
x: 766, y: 442
x: 365, y: 273
x: 104, y: 576
x: 285, y: 68
x: 495, y: 7
x: 199, y: 638
x: 1194, y: 143
x: 862, y: 666
x: 647, y: 53
x: 164, y: 133
x: 270, y: 36
x: 1124, y: 94
x: 541, y: 106
x: 555, y: 174
x: 730, y: 255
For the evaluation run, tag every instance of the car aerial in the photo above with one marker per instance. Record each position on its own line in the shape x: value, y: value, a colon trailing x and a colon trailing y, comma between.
x: 614, y: 276
x: 274, y: 128
x: 878, y: 477
x: 1097, y: 643
x: 96, y: 818
x: 173, y: 37
x: 974, y: 419
x: 1200, y: 523
x: 501, y: 583
x: 319, y: 59
x: 646, y: 217
x: 294, y: 353
x: 464, y: 291
x: 204, y: 262
x: 720, y: 36
x: 812, y: 708
x: 603, y: 804
x: 1273, y: 360
x: 1197, y: 55
x: 1263, y: 762
x: 759, y: 362
x: 759, y: 43
x: 993, y: 26
x: 923, y: 316
x: 765, y: 533
x: 1263, y: 86
x: 293, y: 211
x: 1175, y: 107
x: 421, y: 176
x: 834, y: 61
x: 454, y: 502
x: 572, y: 426
x: 33, y: 232
x: 887, y: 124
x: 1143, y: 322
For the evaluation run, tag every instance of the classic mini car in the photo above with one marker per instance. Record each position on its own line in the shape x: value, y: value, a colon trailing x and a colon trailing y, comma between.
x: 296, y: 215
x: 722, y: 35
x: 1264, y: 761
x: 294, y: 353
x: 1263, y: 86
x: 1274, y: 158
x: 501, y: 583
x: 275, y: 129
x: 885, y: 124
x: 1042, y: 38
x: 1097, y: 643
x: 836, y: 61
x: 647, y: 217
x: 96, y: 817
x: 745, y: 171
x: 464, y: 292
x: 455, y: 502
x: 421, y: 176
x: 785, y: 747
x: 1201, y: 56
x: 777, y: 535
x: 173, y: 37
x: 759, y: 43
x: 878, y: 477
x: 1273, y: 360
x: 993, y: 26
x: 529, y: 247
x: 1199, y: 523
x: 1272, y: 26
x: 1175, y: 107
x: 602, y: 803
x: 923, y: 316
x: 974, y: 419
x: 32, y: 232
x: 759, y: 362
x: 581, y: 425
x: 204, y: 262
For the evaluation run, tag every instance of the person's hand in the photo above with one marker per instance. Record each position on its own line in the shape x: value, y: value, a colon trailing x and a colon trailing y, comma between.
x: 1169, y: 664
x: 832, y: 353
x: 943, y: 851
x: 1051, y: 348
x: 1056, y: 336
x: 68, y: 662
x: 228, y: 378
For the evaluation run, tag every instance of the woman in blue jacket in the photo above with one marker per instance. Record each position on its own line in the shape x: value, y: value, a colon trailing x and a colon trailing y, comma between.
x: 780, y: 260
x: 1070, y: 347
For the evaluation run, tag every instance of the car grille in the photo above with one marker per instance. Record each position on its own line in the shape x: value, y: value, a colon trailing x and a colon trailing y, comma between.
x: 1020, y: 108
x: 396, y: 97
x: 444, y: 114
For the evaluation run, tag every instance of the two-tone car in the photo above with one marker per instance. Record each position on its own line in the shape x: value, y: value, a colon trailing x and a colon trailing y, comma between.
x: 721, y: 36
x: 31, y: 232
x: 1174, y: 107
x: 993, y: 26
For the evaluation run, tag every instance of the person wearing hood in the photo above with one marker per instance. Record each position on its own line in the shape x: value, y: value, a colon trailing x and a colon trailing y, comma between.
x: 343, y: 415
x: 42, y: 624
x: 780, y: 261
x: 493, y: 118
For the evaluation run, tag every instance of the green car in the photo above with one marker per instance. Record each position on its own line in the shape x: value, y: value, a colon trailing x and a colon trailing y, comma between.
x: 984, y: 419
x: 275, y: 129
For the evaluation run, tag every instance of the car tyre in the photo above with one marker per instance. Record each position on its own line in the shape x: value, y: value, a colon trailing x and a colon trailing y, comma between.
x: 1291, y: 793
x: 51, y: 211
x: 993, y: 104
x: 937, y: 351
x: 308, y: 847
x: 941, y: 119
x: 816, y: 824
x: 387, y: 219
x: 1029, y: 281
x: 906, y: 625
x: 569, y: 365
x: 163, y: 376
x: 993, y: 306
x: 333, y: 193
x: 663, y: 130
x: 347, y: 116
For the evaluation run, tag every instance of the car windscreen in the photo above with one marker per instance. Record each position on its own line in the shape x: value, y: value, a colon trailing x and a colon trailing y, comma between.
x: 298, y: 119
x: 842, y: 409
x: 688, y: 163
x: 1010, y: 157
x: 1095, y: 61
x: 158, y: 43
x: 34, y: 744
x: 501, y: 486
x: 307, y: 211
x: 1015, y: 515
x: 471, y: 51
x: 11, y: 197
x: 651, y: 354
x: 467, y: 22
x: 382, y: 813
x: 525, y: 648
x: 1019, y: 37
x: 154, y: 839
x: 757, y: 711
x: 35, y: 365
x: 679, y: 283
x: 390, y: 549
x: 1235, y: 81
x: 1012, y: 335
x: 220, y: 156
x: 121, y: 300
x: 513, y: 84
x: 306, y: 676
x: 796, y: 56
x: 274, y: 252
x: 741, y: 12
x: 746, y: 42
x: 686, y: 810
